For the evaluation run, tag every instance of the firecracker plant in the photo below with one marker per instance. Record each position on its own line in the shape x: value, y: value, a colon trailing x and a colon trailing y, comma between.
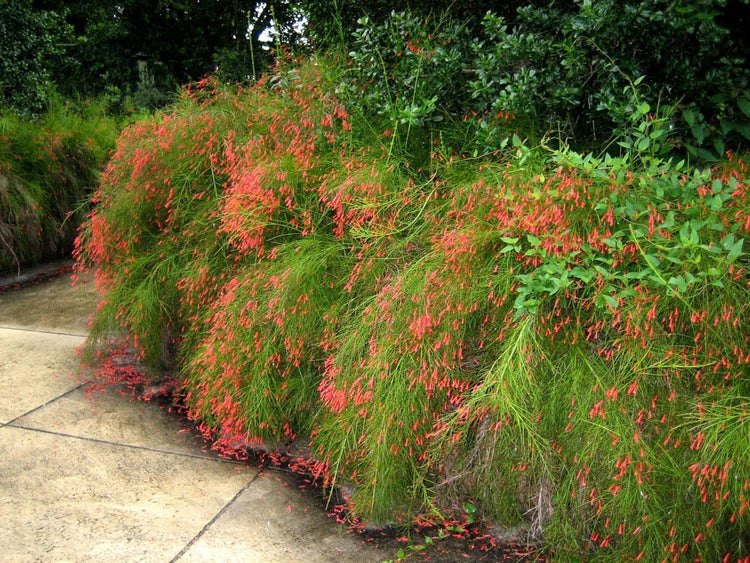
x: 562, y: 338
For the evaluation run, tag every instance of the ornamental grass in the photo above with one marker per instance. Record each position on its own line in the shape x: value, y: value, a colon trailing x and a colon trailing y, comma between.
x: 49, y: 168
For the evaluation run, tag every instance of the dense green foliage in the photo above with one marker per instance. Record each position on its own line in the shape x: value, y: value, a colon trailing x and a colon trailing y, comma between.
x: 559, y: 337
x: 31, y: 44
x: 567, y: 71
x: 139, y: 52
x: 332, y: 22
x: 562, y: 66
x: 49, y: 166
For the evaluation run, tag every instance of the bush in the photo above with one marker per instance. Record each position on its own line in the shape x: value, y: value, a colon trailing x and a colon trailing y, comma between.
x: 30, y: 48
x: 569, y: 67
x: 567, y: 71
x: 560, y: 337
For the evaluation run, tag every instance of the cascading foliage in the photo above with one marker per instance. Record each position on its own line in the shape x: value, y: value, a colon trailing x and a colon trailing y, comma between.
x: 48, y: 169
x: 561, y: 338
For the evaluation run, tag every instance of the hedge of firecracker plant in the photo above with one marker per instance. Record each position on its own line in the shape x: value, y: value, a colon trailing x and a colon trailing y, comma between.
x: 49, y: 167
x: 561, y: 338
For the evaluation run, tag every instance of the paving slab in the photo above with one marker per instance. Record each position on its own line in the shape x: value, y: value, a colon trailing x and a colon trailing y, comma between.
x: 274, y: 521
x: 112, y: 417
x: 76, y: 500
x: 35, y: 367
x: 53, y: 305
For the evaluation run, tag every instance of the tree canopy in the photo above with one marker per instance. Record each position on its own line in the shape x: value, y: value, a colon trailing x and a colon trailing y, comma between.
x: 552, y: 63
x: 32, y: 43
x: 137, y: 44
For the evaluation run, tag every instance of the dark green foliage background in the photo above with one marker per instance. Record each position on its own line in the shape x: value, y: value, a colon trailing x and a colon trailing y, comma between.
x: 565, y: 69
x: 536, y: 164
x: 560, y: 67
x: 32, y: 42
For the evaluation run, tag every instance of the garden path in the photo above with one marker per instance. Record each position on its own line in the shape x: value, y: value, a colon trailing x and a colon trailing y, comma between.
x: 105, y: 478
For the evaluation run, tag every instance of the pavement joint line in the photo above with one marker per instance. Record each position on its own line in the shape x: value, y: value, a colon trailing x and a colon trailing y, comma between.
x: 215, y: 518
x: 68, y: 392
x: 122, y: 445
x: 19, y: 329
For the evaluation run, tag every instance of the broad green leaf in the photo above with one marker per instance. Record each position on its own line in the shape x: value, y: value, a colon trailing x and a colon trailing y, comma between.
x: 718, y: 146
x: 725, y: 125
x: 727, y: 241
x: 606, y: 274
x: 694, y: 236
x: 743, y: 129
x: 639, y: 275
x: 581, y: 274
x: 658, y: 133
x: 678, y: 282
x: 735, y: 250
x: 685, y: 233
x: 626, y: 293
x: 701, y: 153
x: 689, y: 116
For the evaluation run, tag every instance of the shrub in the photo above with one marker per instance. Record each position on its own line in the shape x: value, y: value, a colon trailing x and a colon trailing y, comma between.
x: 564, y: 70
x: 30, y: 47
x: 560, y: 337
x: 568, y: 67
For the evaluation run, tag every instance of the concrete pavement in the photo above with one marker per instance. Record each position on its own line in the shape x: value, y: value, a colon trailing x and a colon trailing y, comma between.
x: 106, y: 478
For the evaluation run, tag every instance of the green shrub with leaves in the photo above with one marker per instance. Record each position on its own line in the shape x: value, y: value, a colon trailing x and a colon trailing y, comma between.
x: 568, y: 66
x: 408, y: 69
x: 565, y: 70
x: 408, y: 74
x: 30, y: 48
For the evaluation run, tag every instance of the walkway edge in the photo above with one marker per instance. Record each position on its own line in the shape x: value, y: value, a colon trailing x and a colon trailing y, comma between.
x: 35, y: 274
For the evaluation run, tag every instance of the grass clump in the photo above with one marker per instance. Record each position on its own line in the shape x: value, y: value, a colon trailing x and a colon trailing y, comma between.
x: 560, y: 338
x: 49, y: 166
